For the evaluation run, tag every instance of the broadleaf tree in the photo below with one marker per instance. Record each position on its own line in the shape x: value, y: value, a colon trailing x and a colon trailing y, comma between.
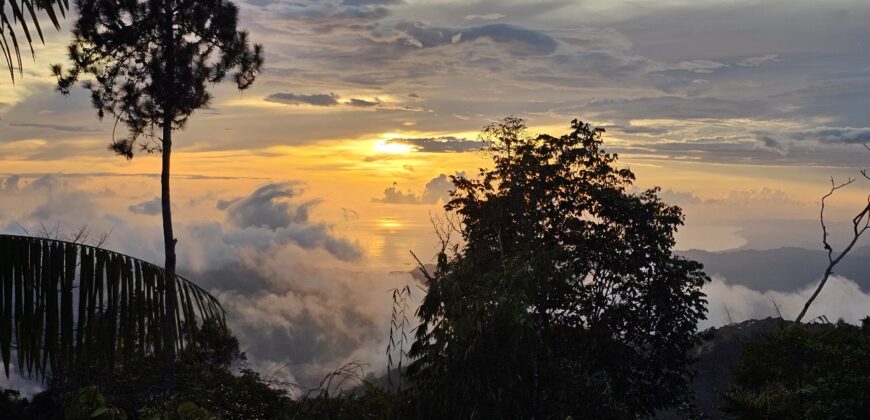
x: 564, y: 297
x: 148, y: 65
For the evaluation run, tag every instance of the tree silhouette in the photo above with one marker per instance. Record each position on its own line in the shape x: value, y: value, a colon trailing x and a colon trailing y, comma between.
x: 151, y: 63
x: 24, y: 14
x: 564, y: 298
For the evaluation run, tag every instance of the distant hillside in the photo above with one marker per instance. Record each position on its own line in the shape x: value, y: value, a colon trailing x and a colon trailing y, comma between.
x: 783, y: 269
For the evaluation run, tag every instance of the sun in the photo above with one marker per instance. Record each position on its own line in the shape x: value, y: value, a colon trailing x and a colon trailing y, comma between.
x: 393, y: 148
x: 389, y: 145
x: 390, y: 223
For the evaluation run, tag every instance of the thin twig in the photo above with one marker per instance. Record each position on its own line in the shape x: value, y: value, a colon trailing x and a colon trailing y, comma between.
x: 860, y: 224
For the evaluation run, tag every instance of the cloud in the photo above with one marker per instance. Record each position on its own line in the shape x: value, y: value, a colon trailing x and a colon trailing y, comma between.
x: 330, y: 12
x: 393, y: 195
x: 847, y: 135
x: 64, y: 205
x: 840, y: 299
x: 225, y: 204
x: 372, y: 2
x: 350, y: 214
x: 268, y: 217
x: 10, y: 184
x: 524, y: 41
x: 488, y: 16
x: 699, y: 66
x: 436, y: 191
x: 57, y: 127
x: 151, y: 207
x: 296, y: 292
x: 634, y: 129
x: 447, y: 144
x: 759, y: 60
x: 264, y: 208
x: 675, y: 108
x: 770, y: 142
x: 318, y: 99
x: 363, y: 103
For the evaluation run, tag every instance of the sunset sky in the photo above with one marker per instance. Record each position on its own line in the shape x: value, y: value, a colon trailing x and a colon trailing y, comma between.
x: 297, y: 202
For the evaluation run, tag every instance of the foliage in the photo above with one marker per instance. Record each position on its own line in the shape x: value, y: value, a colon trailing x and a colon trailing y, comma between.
x: 213, y: 382
x: 12, y: 405
x: 91, y: 404
x: 66, y: 306
x: 366, y: 403
x: 151, y: 60
x: 565, y: 297
x: 185, y: 411
x: 816, y: 371
x: 211, y: 375
x: 24, y: 14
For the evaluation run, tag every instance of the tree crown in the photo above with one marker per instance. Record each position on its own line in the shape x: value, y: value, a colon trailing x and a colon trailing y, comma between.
x: 151, y: 60
x: 565, y: 297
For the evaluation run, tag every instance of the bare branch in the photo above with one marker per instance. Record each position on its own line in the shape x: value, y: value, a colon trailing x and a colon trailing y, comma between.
x: 860, y: 224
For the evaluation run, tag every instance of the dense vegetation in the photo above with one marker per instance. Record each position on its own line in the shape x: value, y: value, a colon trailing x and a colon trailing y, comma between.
x: 817, y: 371
x: 564, y: 298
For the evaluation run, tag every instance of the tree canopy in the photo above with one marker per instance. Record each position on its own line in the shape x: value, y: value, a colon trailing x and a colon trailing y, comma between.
x: 564, y: 296
x: 152, y: 61
x: 812, y: 371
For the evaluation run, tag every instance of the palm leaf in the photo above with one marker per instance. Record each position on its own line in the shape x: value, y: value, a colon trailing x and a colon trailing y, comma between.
x: 23, y: 15
x: 62, y: 303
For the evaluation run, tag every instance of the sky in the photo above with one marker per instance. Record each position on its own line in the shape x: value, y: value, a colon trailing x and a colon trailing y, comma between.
x: 298, y: 202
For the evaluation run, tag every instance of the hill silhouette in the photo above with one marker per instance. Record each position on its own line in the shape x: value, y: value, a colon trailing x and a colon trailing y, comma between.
x: 784, y: 269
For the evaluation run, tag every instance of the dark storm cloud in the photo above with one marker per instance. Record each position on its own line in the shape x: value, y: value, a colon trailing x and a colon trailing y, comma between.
x: 317, y: 99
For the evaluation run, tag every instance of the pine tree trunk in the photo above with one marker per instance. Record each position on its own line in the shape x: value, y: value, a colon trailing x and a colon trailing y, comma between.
x: 169, y: 240
x: 169, y: 247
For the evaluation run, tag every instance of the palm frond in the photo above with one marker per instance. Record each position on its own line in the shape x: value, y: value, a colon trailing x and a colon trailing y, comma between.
x: 63, y: 304
x: 23, y: 15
